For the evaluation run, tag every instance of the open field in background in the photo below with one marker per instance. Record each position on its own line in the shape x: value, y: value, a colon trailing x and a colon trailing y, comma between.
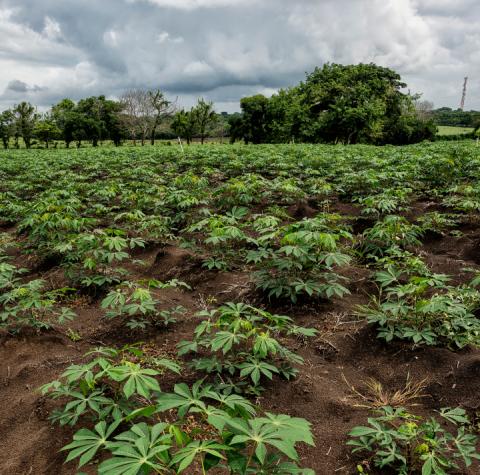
x: 449, y: 130
x: 110, y: 247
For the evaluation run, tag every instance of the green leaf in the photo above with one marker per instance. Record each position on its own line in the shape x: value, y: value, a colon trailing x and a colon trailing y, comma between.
x: 86, y: 443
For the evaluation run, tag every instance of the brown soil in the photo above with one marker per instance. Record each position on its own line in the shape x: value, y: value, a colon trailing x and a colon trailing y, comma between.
x: 344, y: 349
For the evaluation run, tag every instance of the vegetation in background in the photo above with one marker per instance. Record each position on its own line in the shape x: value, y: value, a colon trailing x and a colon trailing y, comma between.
x: 361, y: 103
x: 348, y: 104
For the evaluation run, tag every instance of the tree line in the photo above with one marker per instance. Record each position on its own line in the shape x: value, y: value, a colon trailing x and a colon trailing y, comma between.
x: 455, y: 117
x: 137, y: 116
x: 362, y: 103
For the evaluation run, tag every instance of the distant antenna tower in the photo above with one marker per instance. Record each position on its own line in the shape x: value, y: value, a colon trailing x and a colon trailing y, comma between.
x: 464, y: 93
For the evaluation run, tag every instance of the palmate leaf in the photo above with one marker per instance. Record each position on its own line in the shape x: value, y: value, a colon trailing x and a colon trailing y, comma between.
x: 225, y: 340
x: 466, y: 444
x: 387, y: 277
x: 261, y: 434
x: 86, y: 443
x: 115, y: 243
x: 183, y: 399
x: 274, y: 466
x: 256, y: 369
x: 78, y: 372
x: 185, y: 456
x: 433, y: 464
x: 456, y: 415
x: 185, y: 347
x: 334, y: 288
x: 335, y: 259
x: 293, y: 428
x: 79, y: 404
x: 233, y: 401
x: 310, y: 287
x: 138, y: 380
x: 265, y: 345
x: 142, y: 449
x: 167, y: 364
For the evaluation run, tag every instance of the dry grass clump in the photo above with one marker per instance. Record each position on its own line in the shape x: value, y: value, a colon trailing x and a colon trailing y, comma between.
x: 373, y: 394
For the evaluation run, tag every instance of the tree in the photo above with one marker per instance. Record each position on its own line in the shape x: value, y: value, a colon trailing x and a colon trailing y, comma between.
x: 65, y: 119
x: 350, y: 103
x: 94, y: 123
x: 361, y: 103
x: 184, y: 125
x: 6, y: 127
x: 25, y: 116
x: 235, y: 127
x: 254, y: 110
x: 204, y: 116
x: 46, y: 130
x: 424, y: 109
x: 131, y: 112
x: 111, y: 111
x: 161, y: 109
x: 144, y: 111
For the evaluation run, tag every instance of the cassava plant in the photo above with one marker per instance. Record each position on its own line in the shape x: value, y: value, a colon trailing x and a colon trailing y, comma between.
x: 194, y: 427
x: 424, y: 310
x: 240, y: 345
x: 136, y: 301
x: 301, y: 259
x: 388, y: 235
x: 30, y: 304
x: 405, y: 444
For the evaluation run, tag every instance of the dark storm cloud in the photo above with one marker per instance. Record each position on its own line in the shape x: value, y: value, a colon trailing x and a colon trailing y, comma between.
x: 224, y: 49
x: 17, y: 86
x: 20, y: 86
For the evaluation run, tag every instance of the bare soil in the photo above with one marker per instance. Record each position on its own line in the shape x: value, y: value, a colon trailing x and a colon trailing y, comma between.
x: 344, y: 350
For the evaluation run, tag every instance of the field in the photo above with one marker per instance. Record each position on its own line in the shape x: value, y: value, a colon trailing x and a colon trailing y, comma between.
x: 449, y: 130
x: 181, y: 298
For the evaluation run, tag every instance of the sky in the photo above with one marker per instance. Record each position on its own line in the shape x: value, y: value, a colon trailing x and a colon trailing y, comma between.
x: 224, y: 50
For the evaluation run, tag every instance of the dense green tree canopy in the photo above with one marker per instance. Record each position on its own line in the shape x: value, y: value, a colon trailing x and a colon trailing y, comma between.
x: 198, y: 121
x: 25, y: 116
x: 361, y: 103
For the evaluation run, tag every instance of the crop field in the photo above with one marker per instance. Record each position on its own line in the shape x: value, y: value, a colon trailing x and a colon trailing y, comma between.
x: 271, y: 309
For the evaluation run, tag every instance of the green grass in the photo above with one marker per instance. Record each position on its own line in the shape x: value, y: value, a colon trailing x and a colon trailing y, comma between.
x: 450, y: 130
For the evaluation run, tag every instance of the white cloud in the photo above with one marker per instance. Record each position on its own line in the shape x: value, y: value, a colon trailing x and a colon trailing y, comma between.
x: 194, y: 4
x: 198, y: 68
x: 52, y: 29
x: 164, y: 36
x: 110, y: 38
x: 226, y: 49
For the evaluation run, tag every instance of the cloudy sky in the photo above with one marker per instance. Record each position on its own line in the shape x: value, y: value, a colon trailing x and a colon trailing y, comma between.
x: 226, y: 49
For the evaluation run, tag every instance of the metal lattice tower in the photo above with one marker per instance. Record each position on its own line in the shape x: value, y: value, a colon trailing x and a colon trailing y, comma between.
x: 464, y: 93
